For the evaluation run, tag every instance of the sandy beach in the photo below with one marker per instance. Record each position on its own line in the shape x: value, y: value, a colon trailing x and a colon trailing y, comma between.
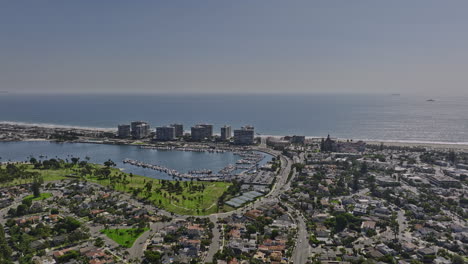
x: 399, y: 143
x: 432, y: 145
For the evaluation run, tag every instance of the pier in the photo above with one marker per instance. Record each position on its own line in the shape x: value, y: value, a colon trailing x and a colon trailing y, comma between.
x: 194, y: 174
x: 185, y: 149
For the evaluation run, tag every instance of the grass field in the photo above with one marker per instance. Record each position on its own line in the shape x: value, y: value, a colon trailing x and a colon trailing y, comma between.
x: 48, y: 175
x: 124, y: 237
x: 188, y: 202
x: 41, y: 197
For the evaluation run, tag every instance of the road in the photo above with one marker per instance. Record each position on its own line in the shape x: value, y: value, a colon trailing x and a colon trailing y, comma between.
x: 273, y: 195
x: 138, y: 248
x: 215, y: 242
x: 302, y: 250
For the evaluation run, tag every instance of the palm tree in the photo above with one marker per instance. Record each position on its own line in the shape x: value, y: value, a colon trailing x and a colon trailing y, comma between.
x: 394, y: 225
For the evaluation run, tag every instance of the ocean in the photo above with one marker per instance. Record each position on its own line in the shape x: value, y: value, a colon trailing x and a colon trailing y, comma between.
x: 366, y: 116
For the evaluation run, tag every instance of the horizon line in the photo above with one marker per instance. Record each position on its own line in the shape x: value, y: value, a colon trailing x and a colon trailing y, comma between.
x: 205, y: 93
x: 5, y: 92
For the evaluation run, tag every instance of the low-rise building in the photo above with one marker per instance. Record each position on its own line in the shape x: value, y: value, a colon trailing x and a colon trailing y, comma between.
x: 386, y: 182
x: 368, y: 225
x: 297, y: 140
x: 443, y: 181
x: 277, y: 143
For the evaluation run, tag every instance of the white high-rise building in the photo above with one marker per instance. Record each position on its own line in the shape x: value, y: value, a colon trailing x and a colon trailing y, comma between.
x: 165, y: 133
x: 123, y: 131
x: 140, y: 129
x: 244, y: 136
x: 226, y: 132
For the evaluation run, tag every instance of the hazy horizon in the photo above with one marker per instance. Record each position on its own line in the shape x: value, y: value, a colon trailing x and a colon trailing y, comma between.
x: 242, y: 93
x: 221, y: 47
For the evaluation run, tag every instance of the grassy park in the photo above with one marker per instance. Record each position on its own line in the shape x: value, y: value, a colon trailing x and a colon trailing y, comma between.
x: 181, y: 197
x: 124, y: 237
x: 47, y: 175
x: 42, y: 196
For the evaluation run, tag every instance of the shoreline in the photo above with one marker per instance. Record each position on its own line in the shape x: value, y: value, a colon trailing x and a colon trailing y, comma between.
x: 432, y: 145
x: 386, y: 142
x: 53, y: 126
x: 396, y: 143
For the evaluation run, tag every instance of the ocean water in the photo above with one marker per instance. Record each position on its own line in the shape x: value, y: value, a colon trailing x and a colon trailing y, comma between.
x: 182, y: 161
x: 373, y: 117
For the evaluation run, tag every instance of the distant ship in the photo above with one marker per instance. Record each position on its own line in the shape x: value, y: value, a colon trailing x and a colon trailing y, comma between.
x: 430, y: 100
x: 396, y: 94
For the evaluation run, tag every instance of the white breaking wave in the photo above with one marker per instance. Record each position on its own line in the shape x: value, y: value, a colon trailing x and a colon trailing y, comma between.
x: 107, y: 129
x: 379, y: 140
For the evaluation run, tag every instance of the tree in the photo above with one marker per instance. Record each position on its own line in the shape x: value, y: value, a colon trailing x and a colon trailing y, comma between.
x: 274, y: 233
x: 220, y: 202
x: 22, y: 209
x: 5, y: 250
x: 99, y: 242
x: 372, y: 186
x: 371, y: 233
x: 153, y: 257
x: 457, y: 259
x: 36, y: 187
x: 69, y: 224
x: 109, y: 163
x: 298, y: 166
x: 103, y: 173
x: 251, y: 229
x: 394, y: 225
x: 356, y: 181
x: 341, y: 223
x: 149, y: 186
x: 12, y: 212
x: 72, y: 254
x: 75, y: 160
x: 452, y: 157
x: 33, y: 160
x: 27, y: 202
x: 364, y: 168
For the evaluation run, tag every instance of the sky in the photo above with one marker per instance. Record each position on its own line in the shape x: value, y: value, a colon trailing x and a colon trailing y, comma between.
x: 217, y: 46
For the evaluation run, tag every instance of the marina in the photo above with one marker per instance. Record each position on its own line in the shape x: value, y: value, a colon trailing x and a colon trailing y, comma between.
x: 209, y: 150
x: 168, y: 165
x: 181, y: 161
x: 249, y: 162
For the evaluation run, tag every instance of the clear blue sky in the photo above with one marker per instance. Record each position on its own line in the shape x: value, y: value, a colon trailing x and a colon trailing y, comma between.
x: 396, y: 46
